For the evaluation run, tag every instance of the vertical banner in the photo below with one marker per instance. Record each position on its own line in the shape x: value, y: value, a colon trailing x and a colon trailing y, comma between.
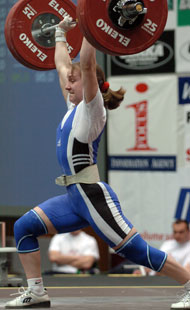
x: 184, y: 122
x: 142, y: 151
x: 147, y: 114
x: 183, y: 138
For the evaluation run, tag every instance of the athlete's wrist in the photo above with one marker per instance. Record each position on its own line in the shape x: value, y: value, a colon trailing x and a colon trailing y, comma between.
x: 60, y: 35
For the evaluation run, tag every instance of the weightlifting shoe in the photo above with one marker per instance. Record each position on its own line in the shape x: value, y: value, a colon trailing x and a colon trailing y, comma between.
x: 28, y: 299
x: 183, y: 303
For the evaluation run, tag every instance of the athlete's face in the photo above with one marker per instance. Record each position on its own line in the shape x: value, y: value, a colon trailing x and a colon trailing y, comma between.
x: 74, y: 87
x: 180, y: 232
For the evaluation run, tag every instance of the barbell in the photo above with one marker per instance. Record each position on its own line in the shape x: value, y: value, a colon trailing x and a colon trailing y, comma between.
x: 115, y: 27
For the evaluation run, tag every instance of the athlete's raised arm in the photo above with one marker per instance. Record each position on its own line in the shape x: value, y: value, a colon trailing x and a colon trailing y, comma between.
x: 62, y: 59
x: 88, y: 70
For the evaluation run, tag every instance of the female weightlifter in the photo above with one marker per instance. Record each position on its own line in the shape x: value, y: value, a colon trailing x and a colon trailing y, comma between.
x: 88, y: 201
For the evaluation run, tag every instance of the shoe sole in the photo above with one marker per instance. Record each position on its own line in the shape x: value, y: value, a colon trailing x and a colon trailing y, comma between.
x: 45, y: 304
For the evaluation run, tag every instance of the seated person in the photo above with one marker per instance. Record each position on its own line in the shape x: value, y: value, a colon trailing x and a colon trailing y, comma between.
x: 75, y: 252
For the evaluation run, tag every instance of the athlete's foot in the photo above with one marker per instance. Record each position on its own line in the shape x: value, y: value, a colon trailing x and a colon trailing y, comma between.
x: 28, y: 299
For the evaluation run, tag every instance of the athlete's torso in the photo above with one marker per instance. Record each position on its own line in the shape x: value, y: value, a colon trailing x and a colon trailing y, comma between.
x: 79, y: 133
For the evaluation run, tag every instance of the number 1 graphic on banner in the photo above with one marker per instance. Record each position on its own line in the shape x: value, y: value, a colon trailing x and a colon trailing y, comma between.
x: 141, y: 121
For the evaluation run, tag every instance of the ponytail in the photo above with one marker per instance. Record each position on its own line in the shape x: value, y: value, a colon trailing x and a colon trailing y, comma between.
x: 112, y: 99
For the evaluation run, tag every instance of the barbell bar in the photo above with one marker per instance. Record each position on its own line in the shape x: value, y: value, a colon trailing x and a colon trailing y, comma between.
x: 128, y: 11
x: 115, y: 27
x: 46, y: 29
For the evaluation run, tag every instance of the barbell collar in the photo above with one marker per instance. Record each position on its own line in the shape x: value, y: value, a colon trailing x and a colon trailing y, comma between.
x: 130, y: 13
x: 126, y: 13
x: 130, y: 10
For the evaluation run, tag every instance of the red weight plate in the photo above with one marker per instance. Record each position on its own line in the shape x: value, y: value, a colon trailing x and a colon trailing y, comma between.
x: 7, y: 31
x: 36, y: 49
x: 115, y: 40
x: 7, y: 35
x: 9, y: 40
x: 84, y: 29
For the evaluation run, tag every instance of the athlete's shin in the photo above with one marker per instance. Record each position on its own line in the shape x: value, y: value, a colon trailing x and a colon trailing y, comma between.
x: 174, y: 270
x: 139, y: 252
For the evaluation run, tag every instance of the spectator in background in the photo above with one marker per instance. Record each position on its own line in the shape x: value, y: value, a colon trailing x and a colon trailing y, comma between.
x: 178, y: 247
x: 75, y: 252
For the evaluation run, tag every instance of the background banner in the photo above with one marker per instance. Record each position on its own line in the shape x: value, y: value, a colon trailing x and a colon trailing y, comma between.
x: 142, y: 155
x: 184, y: 122
x: 159, y: 58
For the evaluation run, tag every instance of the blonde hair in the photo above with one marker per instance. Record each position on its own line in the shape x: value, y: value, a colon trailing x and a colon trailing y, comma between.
x: 112, y: 99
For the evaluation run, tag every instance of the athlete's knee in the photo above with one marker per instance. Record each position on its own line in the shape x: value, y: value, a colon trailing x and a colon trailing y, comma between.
x: 139, y: 252
x: 26, y: 230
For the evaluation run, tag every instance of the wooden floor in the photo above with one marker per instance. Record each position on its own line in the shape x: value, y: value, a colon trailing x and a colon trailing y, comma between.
x: 106, y: 292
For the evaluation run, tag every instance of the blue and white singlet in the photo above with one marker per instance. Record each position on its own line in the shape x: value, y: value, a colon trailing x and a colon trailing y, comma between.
x: 78, y: 137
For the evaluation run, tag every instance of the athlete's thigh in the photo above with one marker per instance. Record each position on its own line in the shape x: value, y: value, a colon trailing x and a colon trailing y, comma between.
x: 60, y: 212
x: 103, y: 212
